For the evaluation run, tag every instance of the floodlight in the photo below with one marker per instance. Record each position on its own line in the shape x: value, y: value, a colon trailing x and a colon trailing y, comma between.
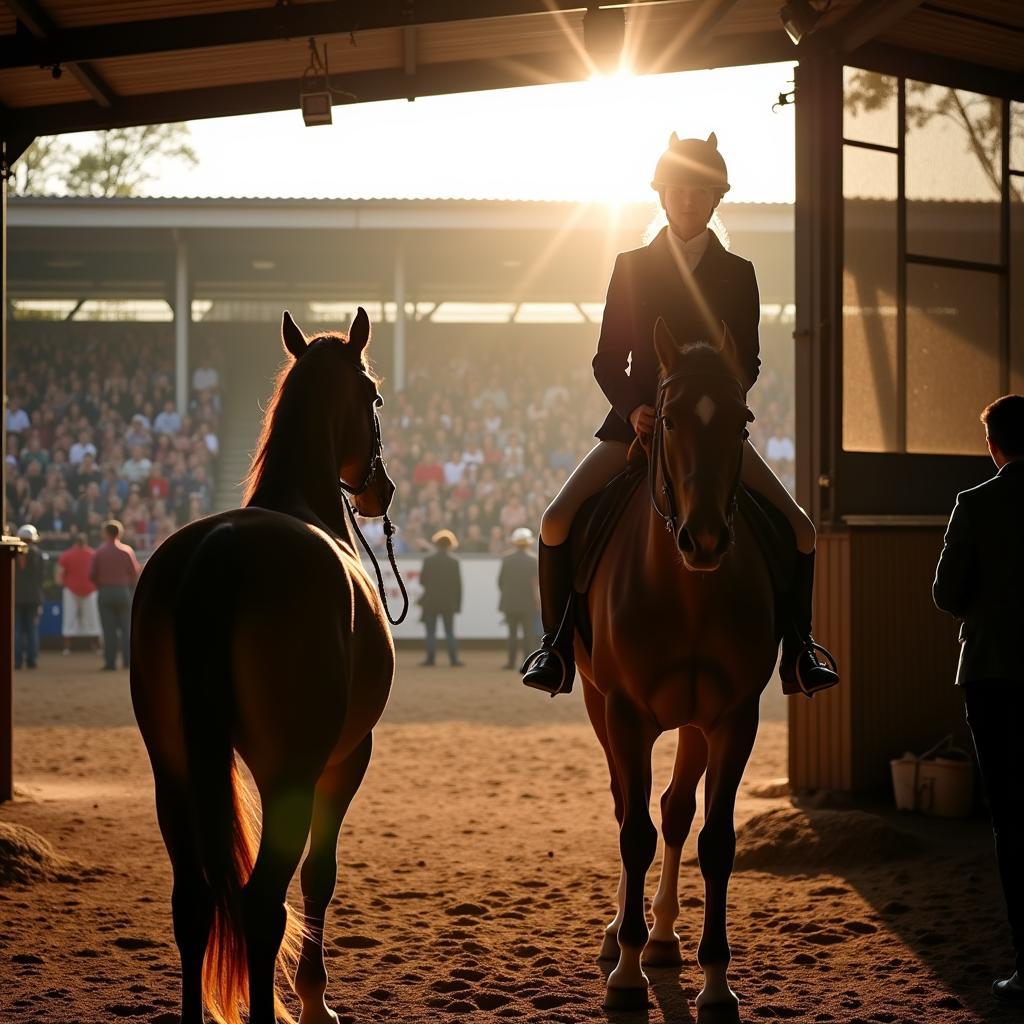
x: 799, y: 19
x: 316, y: 108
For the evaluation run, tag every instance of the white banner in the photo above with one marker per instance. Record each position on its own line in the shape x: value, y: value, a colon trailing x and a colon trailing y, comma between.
x: 480, y: 618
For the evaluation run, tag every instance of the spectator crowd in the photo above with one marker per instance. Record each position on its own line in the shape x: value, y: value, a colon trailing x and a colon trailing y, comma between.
x: 478, y: 442
x: 93, y: 434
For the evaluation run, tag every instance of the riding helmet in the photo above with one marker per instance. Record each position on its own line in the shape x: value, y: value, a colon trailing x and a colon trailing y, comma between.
x: 691, y: 162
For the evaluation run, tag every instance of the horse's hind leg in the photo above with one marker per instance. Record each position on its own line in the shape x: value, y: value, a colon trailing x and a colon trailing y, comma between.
x: 730, y: 745
x: 191, y: 905
x: 678, y: 806
x: 631, y: 738
x: 287, y: 808
x: 334, y: 792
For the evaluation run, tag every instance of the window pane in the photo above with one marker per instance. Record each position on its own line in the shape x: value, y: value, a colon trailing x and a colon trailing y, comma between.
x: 954, y: 150
x: 952, y: 358
x: 870, y: 107
x: 1017, y: 289
x: 870, y: 384
x: 1017, y: 136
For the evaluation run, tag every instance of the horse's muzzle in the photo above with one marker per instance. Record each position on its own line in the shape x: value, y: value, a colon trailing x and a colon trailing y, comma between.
x: 703, y: 548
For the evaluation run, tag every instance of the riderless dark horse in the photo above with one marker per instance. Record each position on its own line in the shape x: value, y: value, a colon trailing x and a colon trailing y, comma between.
x: 257, y: 631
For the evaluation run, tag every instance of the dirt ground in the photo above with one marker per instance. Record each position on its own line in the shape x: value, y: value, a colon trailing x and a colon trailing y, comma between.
x: 479, y: 864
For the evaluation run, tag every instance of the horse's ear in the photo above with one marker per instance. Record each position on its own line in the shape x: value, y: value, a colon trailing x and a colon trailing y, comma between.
x: 359, y: 333
x: 666, y: 347
x: 294, y: 340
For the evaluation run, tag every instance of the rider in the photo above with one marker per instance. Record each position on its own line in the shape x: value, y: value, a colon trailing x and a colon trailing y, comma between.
x: 686, y: 277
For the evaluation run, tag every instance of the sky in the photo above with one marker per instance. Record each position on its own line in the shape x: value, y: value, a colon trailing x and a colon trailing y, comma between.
x: 593, y: 141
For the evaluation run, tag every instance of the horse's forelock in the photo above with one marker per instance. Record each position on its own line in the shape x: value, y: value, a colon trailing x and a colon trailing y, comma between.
x: 340, y: 341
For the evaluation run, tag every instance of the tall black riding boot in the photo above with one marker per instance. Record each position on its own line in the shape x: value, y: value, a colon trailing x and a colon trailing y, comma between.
x: 806, y: 666
x: 552, y: 667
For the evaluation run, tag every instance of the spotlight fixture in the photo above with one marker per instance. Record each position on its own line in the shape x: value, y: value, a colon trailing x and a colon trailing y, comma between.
x: 799, y: 19
x: 315, y: 91
x: 604, y: 32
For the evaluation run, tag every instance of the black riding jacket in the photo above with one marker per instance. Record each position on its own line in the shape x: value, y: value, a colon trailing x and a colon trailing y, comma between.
x: 646, y: 284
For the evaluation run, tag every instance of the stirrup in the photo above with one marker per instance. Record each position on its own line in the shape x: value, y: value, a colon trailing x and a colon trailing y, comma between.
x: 528, y: 665
x: 814, y: 649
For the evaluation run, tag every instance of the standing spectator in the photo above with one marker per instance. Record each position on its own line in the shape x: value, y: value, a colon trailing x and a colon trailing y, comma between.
x: 978, y: 580
x: 520, y: 598
x: 441, y: 579
x: 114, y: 570
x: 28, y: 599
x: 81, y: 610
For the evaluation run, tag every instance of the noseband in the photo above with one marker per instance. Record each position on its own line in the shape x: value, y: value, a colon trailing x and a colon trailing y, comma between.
x: 669, y: 515
x: 377, y: 462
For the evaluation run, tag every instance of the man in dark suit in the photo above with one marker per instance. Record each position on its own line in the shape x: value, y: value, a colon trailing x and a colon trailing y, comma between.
x: 517, y: 584
x: 980, y: 580
x: 441, y: 579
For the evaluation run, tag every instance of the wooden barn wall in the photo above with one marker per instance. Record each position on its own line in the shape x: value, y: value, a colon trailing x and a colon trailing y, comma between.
x: 897, y: 655
x: 907, y: 652
x: 819, y: 729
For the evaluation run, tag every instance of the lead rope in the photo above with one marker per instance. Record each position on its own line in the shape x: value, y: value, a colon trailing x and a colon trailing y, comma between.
x: 389, y: 532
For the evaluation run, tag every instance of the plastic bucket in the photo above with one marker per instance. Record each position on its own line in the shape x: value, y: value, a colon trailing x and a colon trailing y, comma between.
x: 904, y: 781
x: 945, y: 787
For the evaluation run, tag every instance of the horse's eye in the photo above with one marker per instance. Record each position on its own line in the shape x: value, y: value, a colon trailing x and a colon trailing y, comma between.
x: 669, y: 422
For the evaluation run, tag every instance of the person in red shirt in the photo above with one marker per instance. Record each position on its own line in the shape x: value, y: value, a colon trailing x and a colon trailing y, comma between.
x: 114, y: 570
x: 81, y: 608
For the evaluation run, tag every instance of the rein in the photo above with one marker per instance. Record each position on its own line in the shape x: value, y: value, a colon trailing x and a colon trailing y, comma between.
x: 656, y: 463
x: 377, y: 462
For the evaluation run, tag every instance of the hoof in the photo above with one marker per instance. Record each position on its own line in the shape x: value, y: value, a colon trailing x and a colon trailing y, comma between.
x: 609, y: 948
x: 662, y: 953
x: 625, y: 999
x: 318, y: 1015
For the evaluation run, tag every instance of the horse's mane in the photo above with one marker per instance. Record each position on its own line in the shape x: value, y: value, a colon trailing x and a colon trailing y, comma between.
x: 289, y: 397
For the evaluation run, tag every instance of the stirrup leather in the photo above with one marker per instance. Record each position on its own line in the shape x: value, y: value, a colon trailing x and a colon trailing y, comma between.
x: 815, y: 649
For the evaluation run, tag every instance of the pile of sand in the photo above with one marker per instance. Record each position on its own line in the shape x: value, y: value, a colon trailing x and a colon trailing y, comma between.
x: 791, y: 837
x: 25, y: 856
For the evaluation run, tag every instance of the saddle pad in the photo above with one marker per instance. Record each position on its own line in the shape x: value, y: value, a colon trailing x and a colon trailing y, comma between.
x: 594, y: 523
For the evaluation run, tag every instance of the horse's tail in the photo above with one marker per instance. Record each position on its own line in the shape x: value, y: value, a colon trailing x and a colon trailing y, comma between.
x: 224, y: 809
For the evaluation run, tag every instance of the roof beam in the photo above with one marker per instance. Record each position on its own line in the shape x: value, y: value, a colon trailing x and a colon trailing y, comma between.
x: 256, y: 25
x: 42, y: 30
x: 368, y: 86
x: 866, y: 21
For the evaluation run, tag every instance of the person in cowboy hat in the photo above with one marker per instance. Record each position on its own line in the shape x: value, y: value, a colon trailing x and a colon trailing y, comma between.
x: 688, y: 279
x: 28, y: 598
x: 517, y: 584
x: 441, y: 580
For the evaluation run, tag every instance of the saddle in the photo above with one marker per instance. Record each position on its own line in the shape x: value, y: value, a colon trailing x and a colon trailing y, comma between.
x: 599, y: 515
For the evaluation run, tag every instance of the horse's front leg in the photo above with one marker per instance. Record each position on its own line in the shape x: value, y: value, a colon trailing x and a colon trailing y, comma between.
x: 730, y: 745
x: 631, y: 737
x: 595, y: 704
x: 678, y: 806
x: 334, y: 792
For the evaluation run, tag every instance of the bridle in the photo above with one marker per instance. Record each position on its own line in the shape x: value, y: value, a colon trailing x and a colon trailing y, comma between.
x: 377, y: 463
x: 657, y: 464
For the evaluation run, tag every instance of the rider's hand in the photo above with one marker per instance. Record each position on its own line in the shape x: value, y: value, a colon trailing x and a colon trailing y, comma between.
x: 642, y: 420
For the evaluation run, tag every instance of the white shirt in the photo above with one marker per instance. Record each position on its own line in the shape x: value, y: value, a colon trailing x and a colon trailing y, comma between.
x: 17, y: 421
x: 78, y: 451
x: 690, y: 253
